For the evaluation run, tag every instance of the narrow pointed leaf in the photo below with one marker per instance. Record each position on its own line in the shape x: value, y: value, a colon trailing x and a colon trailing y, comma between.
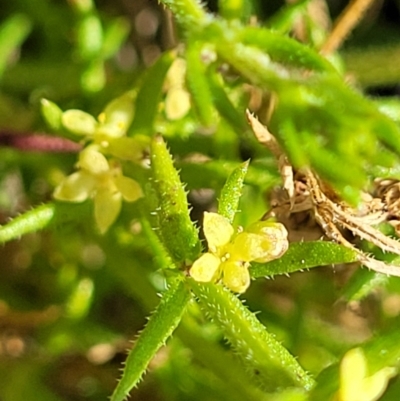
x: 231, y: 192
x: 283, y: 49
x: 149, y: 95
x: 157, y: 331
x: 197, y: 84
x: 177, y: 231
x: 13, y: 32
x: 41, y: 217
x: 266, y: 358
x: 305, y: 255
x: 223, y: 104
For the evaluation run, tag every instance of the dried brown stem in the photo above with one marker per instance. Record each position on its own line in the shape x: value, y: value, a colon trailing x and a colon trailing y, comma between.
x: 332, y: 214
x: 37, y: 142
x: 346, y: 22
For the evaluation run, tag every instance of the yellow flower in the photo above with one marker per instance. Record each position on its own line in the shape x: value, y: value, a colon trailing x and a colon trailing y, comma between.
x: 102, y: 181
x: 113, y: 122
x: 109, y: 130
x: 229, y: 254
x: 356, y: 384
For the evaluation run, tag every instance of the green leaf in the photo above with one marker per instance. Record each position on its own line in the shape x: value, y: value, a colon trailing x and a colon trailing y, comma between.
x: 283, y: 49
x: 240, y: 46
x: 177, y: 231
x: 214, y: 357
x: 197, y: 83
x: 327, y: 384
x: 157, y: 331
x: 42, y: 217
x: 149, y: 95
x: 13, y: 32
x: 93, y: 77
x: 266, y: 359
x: 362, y: 283
x: 224, y: 105
x: 114, y: 36
x: 381, y: 351
x: 305, y: 255
x: 252, y: 63
x: 315, y: 128
x: 90, y: 37
x: 389, y: 107
x: 80, y: 300
x: 231, y: 192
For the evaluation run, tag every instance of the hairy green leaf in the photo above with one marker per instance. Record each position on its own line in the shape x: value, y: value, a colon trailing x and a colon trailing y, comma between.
x: 177, y: 231
x: 42, y: 217
x: 197, y: 83
x: 305, y: 255
x: 264, y: 356
x: 231, y: 192
x: 157, y: 331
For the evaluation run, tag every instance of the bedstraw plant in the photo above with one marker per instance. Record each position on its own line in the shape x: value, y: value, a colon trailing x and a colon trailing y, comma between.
x: 176, y: 191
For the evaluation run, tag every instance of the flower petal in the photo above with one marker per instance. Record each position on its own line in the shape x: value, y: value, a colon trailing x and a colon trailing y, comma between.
x: 117, y: 116
x: 177, y: 103
x: 107, y: 205
x: 275, y: 239
x: 248, y: 247
x: 128, y: 148
x: 92, y: 160
x: 353, y: 369
x: 176, y: 73
x: 77, y: 187
x: 128, y: 187
x: 374, y: 386
x: 205, y: 268
x: 355, y: 385
x: 236, y: 275
x: 79, y: 122
x: 217, y: 230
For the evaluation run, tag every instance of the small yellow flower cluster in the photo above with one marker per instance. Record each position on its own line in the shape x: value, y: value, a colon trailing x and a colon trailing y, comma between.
x: 229, y: 253
x: 356, y: 384
x: 98, y: 177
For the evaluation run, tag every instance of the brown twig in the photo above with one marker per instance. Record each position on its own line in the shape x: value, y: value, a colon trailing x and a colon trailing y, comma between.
x: 37, y: 142
x: 346, y: 22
